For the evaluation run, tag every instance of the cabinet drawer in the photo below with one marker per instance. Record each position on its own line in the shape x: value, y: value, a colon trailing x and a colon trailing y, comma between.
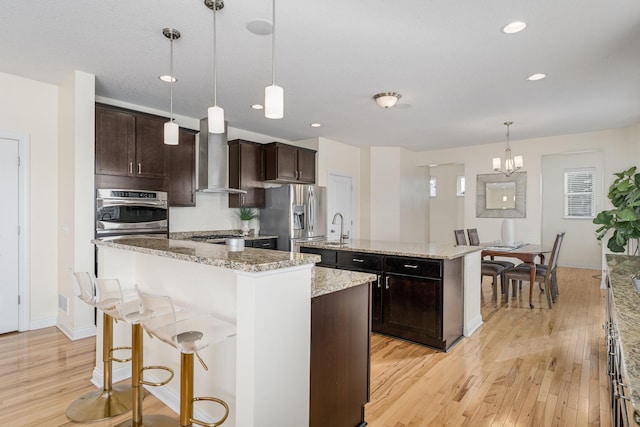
x: 328, y: 257
x: 414, y: 266
x: 264, y: 243
x: 360, y: 261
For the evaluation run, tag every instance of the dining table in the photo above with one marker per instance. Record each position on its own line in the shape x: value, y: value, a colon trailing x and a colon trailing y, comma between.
x: 527, y: 253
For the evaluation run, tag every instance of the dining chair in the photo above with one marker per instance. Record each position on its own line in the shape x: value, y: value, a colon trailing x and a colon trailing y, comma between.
x: 545, y: 274
x: 474, y: 240
x: 487, y: 268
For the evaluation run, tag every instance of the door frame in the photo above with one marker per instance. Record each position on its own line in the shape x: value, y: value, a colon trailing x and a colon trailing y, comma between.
x: 23, y: 223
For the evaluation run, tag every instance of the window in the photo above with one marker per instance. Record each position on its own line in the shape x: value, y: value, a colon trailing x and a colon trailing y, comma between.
x: 432, y: 187
x: 460, y: 187
x: 579, y: 200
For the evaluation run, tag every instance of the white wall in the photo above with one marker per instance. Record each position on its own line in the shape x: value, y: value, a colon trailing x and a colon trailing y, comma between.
x: 76, y: 224
x: 31, y: 108
x: 398, y: 196
x: 619, y: 148
x: 446, y: 210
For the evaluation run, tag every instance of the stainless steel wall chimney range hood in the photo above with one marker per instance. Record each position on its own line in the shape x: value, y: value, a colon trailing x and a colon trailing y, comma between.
x: 213, y: 162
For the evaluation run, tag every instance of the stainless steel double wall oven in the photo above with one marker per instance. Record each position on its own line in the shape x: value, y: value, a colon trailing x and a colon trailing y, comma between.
x: 131, y: 212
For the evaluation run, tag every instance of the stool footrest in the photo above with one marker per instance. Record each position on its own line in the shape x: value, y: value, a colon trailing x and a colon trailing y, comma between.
x: 156, y: 384
x: 216, y: 400
x: 115, y: 359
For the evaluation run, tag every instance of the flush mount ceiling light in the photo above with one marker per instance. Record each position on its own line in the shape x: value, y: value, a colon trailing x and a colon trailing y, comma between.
x: 536, y: 77
x: 171, y: 129
x: 273, y: 95
x: 514, y: 27
x: 511, y: 164
x: 386, y: 99
x: 215, y: 114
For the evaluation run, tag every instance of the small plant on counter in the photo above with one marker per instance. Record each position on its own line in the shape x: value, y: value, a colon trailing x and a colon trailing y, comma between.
x: 624, y: 218
x: 247, y: 214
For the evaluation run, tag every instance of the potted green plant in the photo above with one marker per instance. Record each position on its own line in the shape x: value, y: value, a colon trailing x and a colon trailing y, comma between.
x: 624, y: 218
x: 246, y: 215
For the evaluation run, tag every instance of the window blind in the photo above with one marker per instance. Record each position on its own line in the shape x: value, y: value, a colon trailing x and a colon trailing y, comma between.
x: 579, y: 200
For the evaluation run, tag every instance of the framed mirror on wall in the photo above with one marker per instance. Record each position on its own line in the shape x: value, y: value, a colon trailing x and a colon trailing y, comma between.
x: 501, y: 196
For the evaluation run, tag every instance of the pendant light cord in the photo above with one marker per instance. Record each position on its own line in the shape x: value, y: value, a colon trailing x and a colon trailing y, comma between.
x: 273, y: 44
x: 172, y: 78
x: 215, y: 77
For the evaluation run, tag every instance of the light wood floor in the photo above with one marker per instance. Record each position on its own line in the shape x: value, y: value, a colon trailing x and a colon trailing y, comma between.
x: 523, y: 367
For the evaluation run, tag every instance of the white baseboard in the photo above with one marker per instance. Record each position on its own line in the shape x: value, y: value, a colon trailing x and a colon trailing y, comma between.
x: 119, y: 372
x: 77, y: 334
x: 472, y: 326
x: 43, y: 322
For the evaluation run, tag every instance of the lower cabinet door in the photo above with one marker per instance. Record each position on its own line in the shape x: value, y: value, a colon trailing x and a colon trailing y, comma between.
x: 413, y: 305
x: 376, y: 302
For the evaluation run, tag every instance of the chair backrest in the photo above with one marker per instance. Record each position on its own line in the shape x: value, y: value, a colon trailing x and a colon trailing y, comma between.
x: 460, y: 237
x: 474, y: 240
x: 553, y: 260
x: 109, y: 297
x: 84, y: 286
x: 158, y: 316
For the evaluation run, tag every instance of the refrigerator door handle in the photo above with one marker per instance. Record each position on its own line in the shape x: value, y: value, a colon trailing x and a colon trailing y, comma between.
x: 312, y: 210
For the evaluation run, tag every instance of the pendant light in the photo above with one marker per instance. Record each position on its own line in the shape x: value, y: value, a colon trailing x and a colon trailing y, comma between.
x: 215, y: 114
x: 511, y: 164
x: 273, y: 95
x: 171, y: 129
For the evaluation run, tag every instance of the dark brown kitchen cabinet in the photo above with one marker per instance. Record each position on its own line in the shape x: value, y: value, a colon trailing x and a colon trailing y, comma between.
x: 417, y: 299
x: 271, y: 243
x: 287, y: 163
x: 129, y: 144
x: 340, y: 362
x: 181, y: 165
x: 245, y: 173
x: 115, y: 141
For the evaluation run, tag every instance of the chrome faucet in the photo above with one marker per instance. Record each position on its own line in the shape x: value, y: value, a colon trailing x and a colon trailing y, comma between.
x: 342, y: 235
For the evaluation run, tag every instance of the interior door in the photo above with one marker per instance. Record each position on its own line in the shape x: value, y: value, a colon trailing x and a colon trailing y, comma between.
x: 9, y: 215
x: 340, y: 199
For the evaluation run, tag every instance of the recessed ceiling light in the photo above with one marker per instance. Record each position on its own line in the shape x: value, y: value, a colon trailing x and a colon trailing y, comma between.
x: 257, y: 106
x: 534, y: 77
x: 514, y: 27
x: 259, y: 27
x: 315, y: 125
x: 167, y: 78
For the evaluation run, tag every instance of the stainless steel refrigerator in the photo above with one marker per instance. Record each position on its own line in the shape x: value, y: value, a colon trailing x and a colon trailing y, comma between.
x: 295, y: 212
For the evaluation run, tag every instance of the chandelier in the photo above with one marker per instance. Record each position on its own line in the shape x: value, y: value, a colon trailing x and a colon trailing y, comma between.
x: 511, y: 164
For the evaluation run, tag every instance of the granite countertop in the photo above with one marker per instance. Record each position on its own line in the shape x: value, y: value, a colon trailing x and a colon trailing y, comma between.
x: 188, y: 235
x: 627, y: 317
x: 416, y: 250
x: 248, y: 259
x: 327, y: 280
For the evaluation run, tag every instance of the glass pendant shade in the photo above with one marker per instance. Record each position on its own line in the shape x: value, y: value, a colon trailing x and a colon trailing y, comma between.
x: 273, y: 102
x: 496, y: 163
x: 215, y: 117
x: 171, y: 131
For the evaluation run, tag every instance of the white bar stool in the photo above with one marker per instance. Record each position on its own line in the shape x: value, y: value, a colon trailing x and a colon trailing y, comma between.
x: 189, y: 332
x: 112, y: 400
x: 127, y: 308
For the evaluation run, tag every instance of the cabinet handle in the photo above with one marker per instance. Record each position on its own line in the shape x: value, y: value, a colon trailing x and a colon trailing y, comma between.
x: 265, y: 245
x: 139, y: 168
x: 241, y: 199
x: 379, y: 284
x: 131, y: 167
x: 410, y: 266
x: 357, y: 260
x: 386, y: 282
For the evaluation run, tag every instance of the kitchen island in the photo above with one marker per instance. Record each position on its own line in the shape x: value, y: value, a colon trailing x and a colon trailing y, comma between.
x: 623, y: 340
x: 426, y: 293
x: 264, y: 371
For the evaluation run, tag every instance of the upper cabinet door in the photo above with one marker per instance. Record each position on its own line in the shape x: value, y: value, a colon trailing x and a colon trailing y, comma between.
x: 245, y: 173
x: 306, y: 166
x: 287, y: 163
x: 115, y: 142
x: 181, y: 170
x: 150, y: 148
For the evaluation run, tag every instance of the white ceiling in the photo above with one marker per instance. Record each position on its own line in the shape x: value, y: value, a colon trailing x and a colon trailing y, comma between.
x: 460, y: 77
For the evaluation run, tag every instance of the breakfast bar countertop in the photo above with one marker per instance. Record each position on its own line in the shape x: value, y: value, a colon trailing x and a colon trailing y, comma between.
x: 416, y: 250
x: 248, y: 259
x: 626, y: 314
x: 327, y: 280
